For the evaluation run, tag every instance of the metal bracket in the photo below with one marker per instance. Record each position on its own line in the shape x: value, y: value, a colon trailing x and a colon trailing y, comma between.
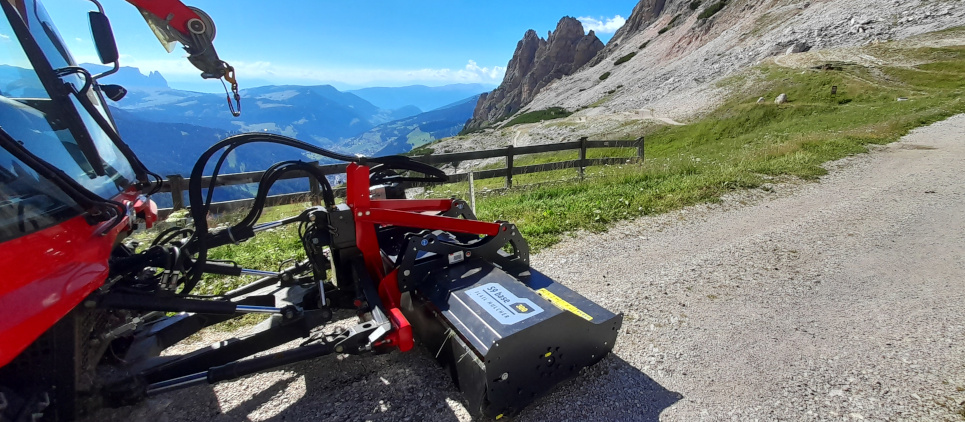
x: 429, y: 252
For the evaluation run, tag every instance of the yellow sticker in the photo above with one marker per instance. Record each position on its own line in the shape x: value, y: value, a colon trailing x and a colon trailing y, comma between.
x: 562, y: 304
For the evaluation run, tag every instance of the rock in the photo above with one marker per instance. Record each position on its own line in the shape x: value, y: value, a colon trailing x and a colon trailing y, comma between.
x: 798, y: 47
x: 760, y: 100
x: 536, y: 63
x: 781, y: 99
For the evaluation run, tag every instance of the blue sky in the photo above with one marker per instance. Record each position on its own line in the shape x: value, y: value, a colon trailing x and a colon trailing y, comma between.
x: 348, y: 44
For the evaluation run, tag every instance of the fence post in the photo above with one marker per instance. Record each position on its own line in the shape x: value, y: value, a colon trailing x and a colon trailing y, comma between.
x: 177, y: 191
x: 315, y: 189
x: 509, y: 166
x: 582, y: 156
x: 641, y: 151
x: 472, y: 191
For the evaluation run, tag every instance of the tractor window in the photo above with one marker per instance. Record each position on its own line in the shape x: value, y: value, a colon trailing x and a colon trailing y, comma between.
x: 28, y: 202
x: 42, y: 123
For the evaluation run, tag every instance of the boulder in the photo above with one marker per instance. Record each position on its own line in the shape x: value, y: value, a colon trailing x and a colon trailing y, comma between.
x: 797, y: 47
x: 781, y: 99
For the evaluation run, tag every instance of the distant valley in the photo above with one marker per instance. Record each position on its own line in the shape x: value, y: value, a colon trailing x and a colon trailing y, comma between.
x: 170, y: 128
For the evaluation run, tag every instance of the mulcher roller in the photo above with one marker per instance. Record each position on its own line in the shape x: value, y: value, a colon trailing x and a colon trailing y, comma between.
x: 508, y: 340
x: 507, y: 333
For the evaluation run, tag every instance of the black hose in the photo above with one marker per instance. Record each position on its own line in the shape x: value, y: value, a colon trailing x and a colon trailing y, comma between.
x: 199, y: 208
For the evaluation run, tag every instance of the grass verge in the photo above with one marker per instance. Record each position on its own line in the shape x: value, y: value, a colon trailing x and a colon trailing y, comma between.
x: 740, y: 145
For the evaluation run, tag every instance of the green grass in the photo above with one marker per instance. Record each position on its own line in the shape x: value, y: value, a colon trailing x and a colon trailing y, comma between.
x: 624, y: 59
x: 604, y: 76
x: 740, y: 145
x: 538, y: 116
x: 418, y: 138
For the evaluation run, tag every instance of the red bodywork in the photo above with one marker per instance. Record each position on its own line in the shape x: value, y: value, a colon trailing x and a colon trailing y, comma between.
x: 175, y: 13
x: 49, y: 272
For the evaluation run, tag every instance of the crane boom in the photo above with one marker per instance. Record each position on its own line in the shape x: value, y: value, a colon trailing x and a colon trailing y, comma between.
x: 174, y: 22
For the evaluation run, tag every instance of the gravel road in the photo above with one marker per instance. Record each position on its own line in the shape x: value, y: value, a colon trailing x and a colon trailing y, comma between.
x: 838, y: 300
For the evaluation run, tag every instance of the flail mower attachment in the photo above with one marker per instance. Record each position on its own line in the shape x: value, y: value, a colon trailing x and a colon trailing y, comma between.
x: 423, y: 270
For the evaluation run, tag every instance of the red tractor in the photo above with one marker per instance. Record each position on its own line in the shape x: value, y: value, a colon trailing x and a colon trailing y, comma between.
x: 71, y: 192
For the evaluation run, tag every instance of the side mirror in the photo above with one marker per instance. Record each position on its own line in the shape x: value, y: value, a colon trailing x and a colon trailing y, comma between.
x: 113, y: 92
x: 100, y: 29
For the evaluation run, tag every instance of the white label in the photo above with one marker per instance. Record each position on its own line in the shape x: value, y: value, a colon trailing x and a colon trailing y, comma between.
x: 502, y: 304
x: 457, y: 257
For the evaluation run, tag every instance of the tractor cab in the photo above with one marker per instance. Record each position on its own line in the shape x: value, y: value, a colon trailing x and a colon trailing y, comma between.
x: 412, y: 271
x: 69, y: 190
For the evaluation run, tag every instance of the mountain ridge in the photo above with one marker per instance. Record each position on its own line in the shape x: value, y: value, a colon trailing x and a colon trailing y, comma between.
x: 668, y: 60
x: 536, y: 63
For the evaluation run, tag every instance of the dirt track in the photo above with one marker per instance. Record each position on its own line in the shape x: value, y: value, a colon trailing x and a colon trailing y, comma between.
x: 835, y: 300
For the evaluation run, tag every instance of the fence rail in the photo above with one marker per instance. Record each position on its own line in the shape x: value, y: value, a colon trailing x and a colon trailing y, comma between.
x: 177, y: 185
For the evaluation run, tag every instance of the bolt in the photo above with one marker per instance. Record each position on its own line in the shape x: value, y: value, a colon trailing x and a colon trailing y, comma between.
x: 505, y: 376
x: 460, y: 206
x: 339, y: 349
x: 406, y: 273
x: 425, y: 242
x: 360, y: 213
x: 311, y: 217
x: 368, y: 213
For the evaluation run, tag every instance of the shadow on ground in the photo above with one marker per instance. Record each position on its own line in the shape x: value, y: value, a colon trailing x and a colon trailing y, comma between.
x: 612, y: 390
x: 395, y: 387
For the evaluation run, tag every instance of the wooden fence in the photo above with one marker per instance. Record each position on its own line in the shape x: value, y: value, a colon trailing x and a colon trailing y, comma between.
x: 177, y: 185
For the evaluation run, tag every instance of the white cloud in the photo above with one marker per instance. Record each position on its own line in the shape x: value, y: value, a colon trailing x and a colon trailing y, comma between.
x: 471, y: 73
x: 494, y: 73
x: 178, y: 70
x: 602, y: 25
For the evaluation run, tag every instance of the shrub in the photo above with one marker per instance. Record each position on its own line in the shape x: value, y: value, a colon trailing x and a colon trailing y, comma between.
x: 669, y: 25
x: 624, y: 59
x: 604, y: 76
x: 644, y: 45
x: 539, y: 115
x: 712, y: 10
x: 694, y: 4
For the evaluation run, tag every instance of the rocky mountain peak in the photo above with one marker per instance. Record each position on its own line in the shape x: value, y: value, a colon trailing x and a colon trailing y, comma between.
x: 644, y: 14
x: 535, y: 63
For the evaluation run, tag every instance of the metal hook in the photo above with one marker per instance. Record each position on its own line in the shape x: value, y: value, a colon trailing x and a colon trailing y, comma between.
x: 229, y: 75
